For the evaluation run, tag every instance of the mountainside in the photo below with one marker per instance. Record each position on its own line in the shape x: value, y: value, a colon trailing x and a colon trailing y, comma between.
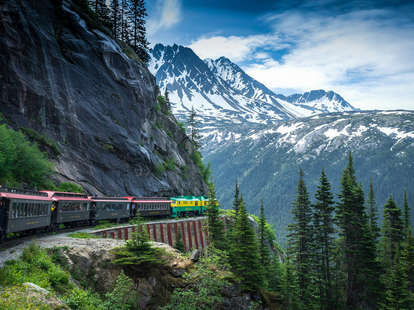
x: 63, y: 79
x: 266, y: 159
x: 222, y: 90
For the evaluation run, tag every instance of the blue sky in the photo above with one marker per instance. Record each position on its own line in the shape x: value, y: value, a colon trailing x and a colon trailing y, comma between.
x: 363, y: 50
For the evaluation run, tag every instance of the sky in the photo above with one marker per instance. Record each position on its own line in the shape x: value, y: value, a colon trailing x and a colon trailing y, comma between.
x: 363, y: 50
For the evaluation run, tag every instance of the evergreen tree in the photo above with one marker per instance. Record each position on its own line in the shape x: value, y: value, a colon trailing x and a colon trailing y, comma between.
x: 324, y: 238
x: 215, y: 225
x: 397, y: 295
x: 392, y: 232
x: 372, y: 212
x: 115, y: 17
x: 139, y: 41
x: 167, y: 99
x: 246, y: 259
x: 274, y: 275
x: 290, y: 286
x: 358, y: 243
x: 301, y: 243
x: 263, y: 249
x: 193, y: 127
x: 406, y: 215
x: 236, y: 200
x: 124, y: 21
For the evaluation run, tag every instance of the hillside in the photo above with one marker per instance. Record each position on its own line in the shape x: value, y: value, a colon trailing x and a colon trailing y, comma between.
x: 266, y: 159
x: 89, y: 102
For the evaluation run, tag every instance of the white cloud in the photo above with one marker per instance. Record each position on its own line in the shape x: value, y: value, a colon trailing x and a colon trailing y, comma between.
x: 235, y: 48
x: 167, y: 14
x: 366, y: 56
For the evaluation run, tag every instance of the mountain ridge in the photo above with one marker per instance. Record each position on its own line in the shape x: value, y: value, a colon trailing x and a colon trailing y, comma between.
x: 227, y: 89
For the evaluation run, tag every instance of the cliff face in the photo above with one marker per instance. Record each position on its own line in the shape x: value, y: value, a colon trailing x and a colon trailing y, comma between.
x: 73, y: 84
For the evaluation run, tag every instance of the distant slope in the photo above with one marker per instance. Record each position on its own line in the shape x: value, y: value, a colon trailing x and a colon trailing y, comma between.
x: 266, y: 159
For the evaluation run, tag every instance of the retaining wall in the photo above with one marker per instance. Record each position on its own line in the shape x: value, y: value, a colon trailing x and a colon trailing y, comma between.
x: 193, y: 231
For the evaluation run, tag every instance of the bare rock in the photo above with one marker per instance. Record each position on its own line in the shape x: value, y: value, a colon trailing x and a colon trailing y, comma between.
x: 195, y: 255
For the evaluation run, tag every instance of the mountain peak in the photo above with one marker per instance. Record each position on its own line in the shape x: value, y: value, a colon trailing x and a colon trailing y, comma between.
x: 220, y: 87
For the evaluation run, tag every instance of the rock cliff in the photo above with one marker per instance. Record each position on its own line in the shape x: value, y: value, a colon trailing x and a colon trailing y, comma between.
x: 88, y: 101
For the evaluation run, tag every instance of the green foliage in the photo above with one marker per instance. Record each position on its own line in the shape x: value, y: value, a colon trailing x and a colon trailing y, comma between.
x: 22, y: 162
x: 79, y: 299
x: 69, y: 187
x: 245, y: 258
x: 205, y: 171
x: 300, y: 243
x: 170, y: 164
x: 214, y: 224
x: 109, y: 147
x: 83, y: 235
x: 127, y: 50
x: 123, y: 296
x: 42, y: 140
x: 181, y: 125
x: 138, y: 252
x: 157, y: 107
x: 179, y: 244
x: 20, y: 298
x: 36, y: 266
x: 205, y: 285
x: 159, y: 170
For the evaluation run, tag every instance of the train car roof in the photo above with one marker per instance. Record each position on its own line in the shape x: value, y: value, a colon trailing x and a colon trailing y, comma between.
x: 138, y: 200
x: 109, y: 199
x: 189, y: 198
x: 14, y: 193
x: 62, y: 195
x: 23, y: 196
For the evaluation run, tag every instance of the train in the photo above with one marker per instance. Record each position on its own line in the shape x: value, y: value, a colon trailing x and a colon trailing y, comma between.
x: 25, y: 211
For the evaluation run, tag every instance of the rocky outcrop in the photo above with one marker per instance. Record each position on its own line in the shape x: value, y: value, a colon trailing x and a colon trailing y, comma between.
x: 93, y: 265
x: 73, y: 84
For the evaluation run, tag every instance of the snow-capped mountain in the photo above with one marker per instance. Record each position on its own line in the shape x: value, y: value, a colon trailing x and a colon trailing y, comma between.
x: 265, y: 159
x: 191, y: 82
x: 220, y: 89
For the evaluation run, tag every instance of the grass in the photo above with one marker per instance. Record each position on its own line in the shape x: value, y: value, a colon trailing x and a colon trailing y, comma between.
x: 35, y: 265
x: 83, y: 235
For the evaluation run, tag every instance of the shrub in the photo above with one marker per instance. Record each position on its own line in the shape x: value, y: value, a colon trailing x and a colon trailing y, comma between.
x: 169, y: 164
x: 122, y: 296
x: 18, y: 297
x: 205, y: 285
x: 36, y: 266
x: 69, y: 187
x: 204, y: 171
x: 79, y: 299
x: 138, y: 252
x: 21, y: 161
x: 159, y: 170
x: 42, y: 140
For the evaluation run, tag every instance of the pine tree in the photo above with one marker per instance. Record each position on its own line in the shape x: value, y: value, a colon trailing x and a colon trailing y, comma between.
x: 115, y: 17
x: 124, y: 21
x: 406, y: 215
x: 139, y: 41
x: 290, y: 286
x: 215, y: 225
x: 193, y: 127
x: 324, y: 238
x: 167, y: 99
x: 372, y: 212
x: 246, y: 259
x: 236, y: 200
x: 397, y: 295
x: 263, y: 249
x: 358, y: 243
x: 301, y: 243
x: 392, y: 232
